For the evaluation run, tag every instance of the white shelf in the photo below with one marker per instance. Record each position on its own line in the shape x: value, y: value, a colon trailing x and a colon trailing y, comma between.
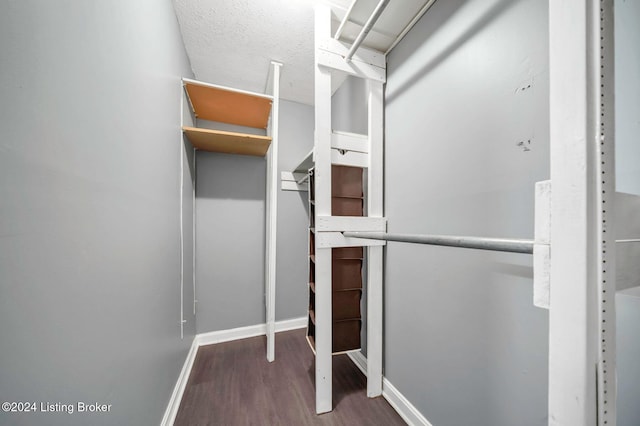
x: 296, y: 180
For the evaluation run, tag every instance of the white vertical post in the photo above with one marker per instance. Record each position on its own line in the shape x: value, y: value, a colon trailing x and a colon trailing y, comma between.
x: 603, y: 145
x: 271, y: 216
x: 579, y: 146
x: 193, y: 230
x: 374, y: 260
x: 182, y: 320
x: 572, y: 312
x: 322, y: 152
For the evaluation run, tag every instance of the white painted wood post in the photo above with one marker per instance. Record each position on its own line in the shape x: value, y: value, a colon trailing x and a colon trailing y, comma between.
x: 581, y: 175
x: 603, y: 148
x: 272, y: 216
x: 375, y: 292
x: 323, y: 315
x: 193, y: 229
x: 182, y: 154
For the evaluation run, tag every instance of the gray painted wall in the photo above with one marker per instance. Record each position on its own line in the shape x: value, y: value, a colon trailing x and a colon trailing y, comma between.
x: 188, y: 234
x: 627, y: 103
x: 349, y: 106
x: 627, y: 225
x: 296, y: 140
x: 627, y: 36
x: 89, y: 218
x: 463, y: 341
x: 628, y: 346
x: 230, y: 203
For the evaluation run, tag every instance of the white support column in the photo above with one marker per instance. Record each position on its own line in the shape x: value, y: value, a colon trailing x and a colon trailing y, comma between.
x: 182, y: 154
x: 193, y: 231
x: 271, y: 217
x: 581, y: 173
x: 323, y: 315
x: 572, y: 314
x: 603, y: 145
x: 375, y: 293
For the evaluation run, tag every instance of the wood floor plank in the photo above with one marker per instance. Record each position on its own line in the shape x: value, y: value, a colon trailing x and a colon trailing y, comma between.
x: 233, y: 384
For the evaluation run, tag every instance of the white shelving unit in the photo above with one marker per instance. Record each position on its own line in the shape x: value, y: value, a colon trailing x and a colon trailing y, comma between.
x: 248, y: 109
x: 346, y: 149
x: 582, y: 314
x: 296, y: 180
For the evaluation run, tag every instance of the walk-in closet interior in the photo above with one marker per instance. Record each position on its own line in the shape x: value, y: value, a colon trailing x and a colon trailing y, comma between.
x: 320, y: 212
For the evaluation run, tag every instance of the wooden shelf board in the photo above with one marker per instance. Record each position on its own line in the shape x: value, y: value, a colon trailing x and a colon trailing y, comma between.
x: 228, y: 142
x: 226, y: 106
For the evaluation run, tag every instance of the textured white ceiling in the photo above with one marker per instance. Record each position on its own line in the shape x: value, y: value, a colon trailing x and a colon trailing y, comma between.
x: 232, y: 42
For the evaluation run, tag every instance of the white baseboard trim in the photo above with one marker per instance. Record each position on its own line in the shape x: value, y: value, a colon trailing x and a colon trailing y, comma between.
x: 405, y: 409
x: 221, y: 336
x: 359, y: 360
x: 218, y: 337
x: 291, y: 324
x: 178, y: 390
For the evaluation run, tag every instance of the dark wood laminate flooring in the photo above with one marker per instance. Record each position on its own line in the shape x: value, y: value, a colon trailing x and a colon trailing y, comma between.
x: 233, y: 384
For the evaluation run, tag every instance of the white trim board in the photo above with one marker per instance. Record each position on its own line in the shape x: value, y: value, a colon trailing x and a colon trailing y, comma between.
x: 403, y: 407
x: 249, y: 331
x: 213, y: 337
x: 178, y: 390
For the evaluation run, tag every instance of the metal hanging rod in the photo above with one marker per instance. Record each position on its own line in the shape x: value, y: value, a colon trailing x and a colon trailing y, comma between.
x: 480, y: 243
x: 494, y: 244
x: 367, y: 27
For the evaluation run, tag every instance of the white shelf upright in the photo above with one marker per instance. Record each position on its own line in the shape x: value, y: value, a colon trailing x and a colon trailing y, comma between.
x: 582, y: 378
x: 272, y: 214
x: 332, y: 148
x: 217, y: 103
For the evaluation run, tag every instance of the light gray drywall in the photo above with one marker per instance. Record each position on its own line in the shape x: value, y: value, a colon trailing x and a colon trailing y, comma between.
x: 188, y: 236
x: 230, y: 203
x: 628, y: 347
x: 296, y: 140
x: 349, y: 106
x: 627, y: 110
x: 627, y: 103
x: 89, y: 218
x: 627, y: 226
x: 466, y: 139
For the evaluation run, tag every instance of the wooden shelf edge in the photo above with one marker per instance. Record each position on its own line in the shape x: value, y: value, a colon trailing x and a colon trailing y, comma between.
x: 226, y: 105
x: 227, y: 142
